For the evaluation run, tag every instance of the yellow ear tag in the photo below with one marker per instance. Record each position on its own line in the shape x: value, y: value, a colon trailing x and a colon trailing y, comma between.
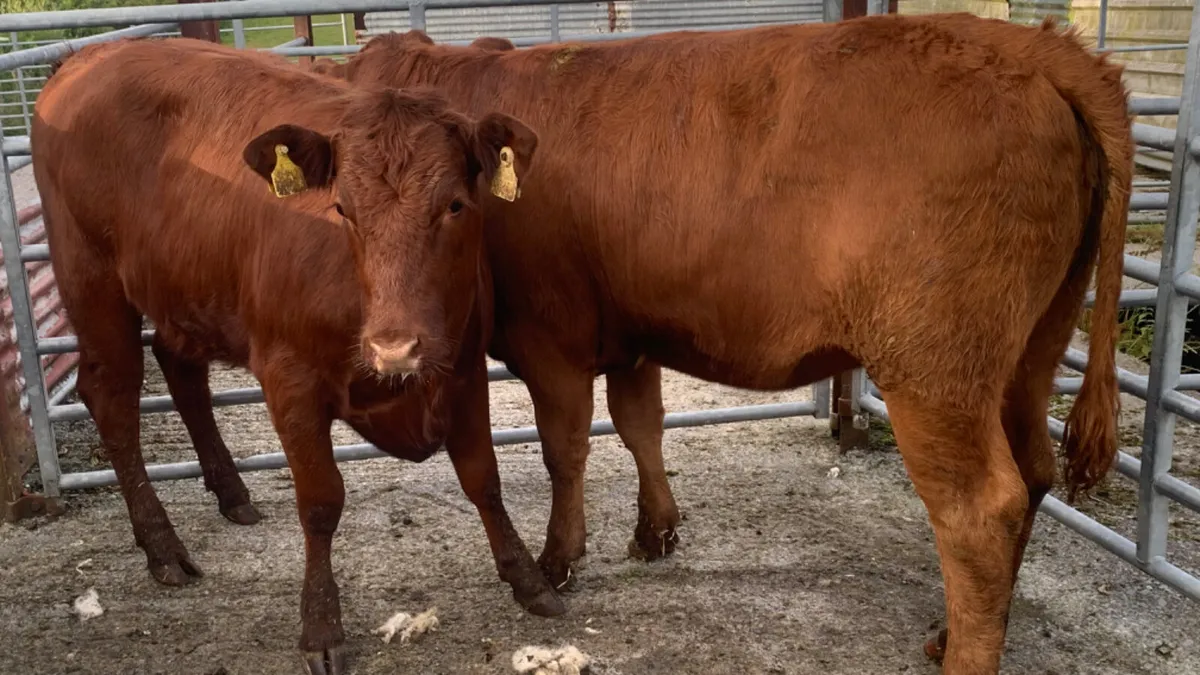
x: 504, y: 182
x: 286, y: 178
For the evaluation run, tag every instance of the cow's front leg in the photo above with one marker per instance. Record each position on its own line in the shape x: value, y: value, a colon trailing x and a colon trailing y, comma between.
x: 470, y: 449
x: 303, y: 423
x: 562, y: 406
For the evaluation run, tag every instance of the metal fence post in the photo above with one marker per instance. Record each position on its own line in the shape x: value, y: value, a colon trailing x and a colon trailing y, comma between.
x: 416, y: 16
x: 1170, y: 318
x: 239, y: 33
x: 848, y: 386
x: 22, y: 310
x: 1102, y: 29
x: 831, y: 11
x: 554, y: 27
x: 821, y: 394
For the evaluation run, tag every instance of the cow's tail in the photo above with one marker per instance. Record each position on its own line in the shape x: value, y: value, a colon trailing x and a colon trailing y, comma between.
x: 1093, y: 88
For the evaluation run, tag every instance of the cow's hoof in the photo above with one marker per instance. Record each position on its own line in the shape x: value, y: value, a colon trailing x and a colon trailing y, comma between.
x: 332, y: 661
x: 650, y: 544
x: 242, y: 514
x: 935, y: 649
x: 178, y: 573
x: 544, y: 603
x: 558, y: 573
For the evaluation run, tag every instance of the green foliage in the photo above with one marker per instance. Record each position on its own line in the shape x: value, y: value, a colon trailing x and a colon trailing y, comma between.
x: 1137, y: 331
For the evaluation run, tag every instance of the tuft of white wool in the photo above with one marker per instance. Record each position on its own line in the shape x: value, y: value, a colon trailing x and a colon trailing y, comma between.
x: 87, y: 606
x: 409, y: 627
x: 565, y: 660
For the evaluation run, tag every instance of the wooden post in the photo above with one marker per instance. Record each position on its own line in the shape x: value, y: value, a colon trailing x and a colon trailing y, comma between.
x: 303, y: 25
x: 360, y: 26
x: 200, y: 30
x: 855, y: 8
x: 14, y: 453
x: 841, y: 416
x: 16, y: 458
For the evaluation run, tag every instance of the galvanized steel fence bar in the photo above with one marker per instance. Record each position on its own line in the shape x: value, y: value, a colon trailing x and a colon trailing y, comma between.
x: 1163, y: 389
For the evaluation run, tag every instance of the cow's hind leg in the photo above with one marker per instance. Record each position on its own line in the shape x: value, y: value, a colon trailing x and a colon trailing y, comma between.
x: 109, y: 382
x: 961, y: 465
x: 188, y: 383
x: 1026, y: 405
x: 635, y: 403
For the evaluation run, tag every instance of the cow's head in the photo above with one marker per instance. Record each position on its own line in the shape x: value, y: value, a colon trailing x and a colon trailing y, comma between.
x: 408, y: 177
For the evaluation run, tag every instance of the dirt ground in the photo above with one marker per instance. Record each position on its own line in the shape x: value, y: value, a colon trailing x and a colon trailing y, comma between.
x: 782, y: 568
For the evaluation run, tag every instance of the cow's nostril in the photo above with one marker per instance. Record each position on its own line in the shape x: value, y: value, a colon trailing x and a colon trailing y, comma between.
x: 399, y: 356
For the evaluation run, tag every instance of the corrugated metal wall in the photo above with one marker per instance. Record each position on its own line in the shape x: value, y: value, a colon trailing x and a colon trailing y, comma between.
x: 597, y: 17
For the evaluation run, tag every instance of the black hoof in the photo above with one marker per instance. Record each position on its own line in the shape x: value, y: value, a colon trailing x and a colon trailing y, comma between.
x: 242, y: 514
x: 545, y: 603
x: 935, y: 648
x: 648, y: 545
x: 178, y: 573
x: 332, y: 661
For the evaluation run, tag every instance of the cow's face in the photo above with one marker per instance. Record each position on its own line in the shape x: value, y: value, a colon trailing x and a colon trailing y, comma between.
x: 402, y: 171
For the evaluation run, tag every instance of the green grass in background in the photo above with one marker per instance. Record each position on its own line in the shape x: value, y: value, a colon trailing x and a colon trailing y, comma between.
x: 282, y: 31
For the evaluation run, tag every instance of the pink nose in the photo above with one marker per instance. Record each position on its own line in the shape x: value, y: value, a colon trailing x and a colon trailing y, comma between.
x: 395, y: 358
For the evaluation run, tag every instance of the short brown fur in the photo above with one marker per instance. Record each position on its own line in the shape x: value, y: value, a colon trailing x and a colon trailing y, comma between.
x: 925, y: 196
x: 153, y: 160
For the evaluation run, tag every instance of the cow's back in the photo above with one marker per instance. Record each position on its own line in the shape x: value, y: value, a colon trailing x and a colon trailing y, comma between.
x: 142, y: 166
x: 709, y: 191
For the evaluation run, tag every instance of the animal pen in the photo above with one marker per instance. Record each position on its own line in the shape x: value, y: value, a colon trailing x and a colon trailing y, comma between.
x: 856, y: 398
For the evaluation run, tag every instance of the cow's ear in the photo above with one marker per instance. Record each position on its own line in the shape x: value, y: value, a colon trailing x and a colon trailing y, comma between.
x: 502, y: 150
x: 292, y: 159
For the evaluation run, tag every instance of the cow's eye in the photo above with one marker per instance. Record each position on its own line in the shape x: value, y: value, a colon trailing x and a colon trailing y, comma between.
x: 339, y: 210
x: 456, y: 206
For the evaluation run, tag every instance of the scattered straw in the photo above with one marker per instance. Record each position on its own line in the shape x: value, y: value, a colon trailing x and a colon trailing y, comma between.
x: 566, y: 660
x: 409, y: 627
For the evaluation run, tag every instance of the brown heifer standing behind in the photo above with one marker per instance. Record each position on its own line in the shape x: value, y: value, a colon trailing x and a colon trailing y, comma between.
x: 364, y: 297
x: 925, y: 196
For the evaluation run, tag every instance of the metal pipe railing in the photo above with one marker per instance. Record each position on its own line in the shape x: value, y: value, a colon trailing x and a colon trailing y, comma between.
x: 235, y: 9
x: 349, y: 453
x: 52, y: 52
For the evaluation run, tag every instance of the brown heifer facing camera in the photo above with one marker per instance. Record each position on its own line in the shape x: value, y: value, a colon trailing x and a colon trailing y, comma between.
x: 357, y: 291
x: 924, y: 196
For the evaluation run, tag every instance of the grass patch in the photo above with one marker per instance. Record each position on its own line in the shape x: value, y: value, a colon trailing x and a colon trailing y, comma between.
x: 273, y: 31
x: 880, y: 435
x: 1060, y: 405
x: 1148, y: 237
